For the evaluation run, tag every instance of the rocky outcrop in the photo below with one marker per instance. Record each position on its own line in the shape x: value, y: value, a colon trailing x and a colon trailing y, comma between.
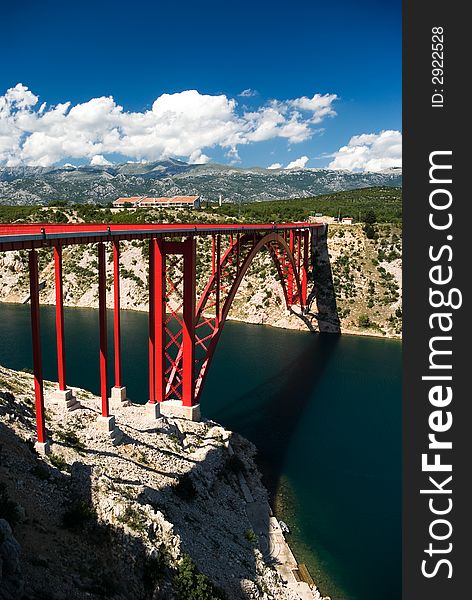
x: 11, y: 576
x: 172, y: 508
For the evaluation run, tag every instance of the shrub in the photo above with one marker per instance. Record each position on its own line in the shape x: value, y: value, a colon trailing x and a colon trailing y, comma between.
x: 71, y: 439
x: 364, y: 321
x: 251, y: 536
x: 134, y: 519
x: 190, y: 584
x: 369, y: 231
x: 58, y: 461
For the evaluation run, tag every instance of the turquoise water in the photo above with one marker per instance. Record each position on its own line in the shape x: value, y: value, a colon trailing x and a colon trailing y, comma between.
x: 324, y: 412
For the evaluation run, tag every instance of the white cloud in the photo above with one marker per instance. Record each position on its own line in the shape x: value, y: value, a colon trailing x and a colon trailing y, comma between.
x: 184, y: 125
x: 275, y: 166
x: 99, y: 161
x: 299, y: 163
x: 198, y: 158
x: 320, y: 106
x: 370, y: 152
x: 248, y: 93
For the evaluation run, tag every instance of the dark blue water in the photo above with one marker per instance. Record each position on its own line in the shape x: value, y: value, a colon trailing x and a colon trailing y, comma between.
x: 324, y: 412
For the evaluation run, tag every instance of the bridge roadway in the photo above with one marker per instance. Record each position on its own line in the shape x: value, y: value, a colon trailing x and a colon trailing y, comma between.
x: 40, y: 235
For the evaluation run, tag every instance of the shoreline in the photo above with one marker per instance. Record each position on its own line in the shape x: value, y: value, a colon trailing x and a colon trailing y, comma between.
x: 344, y: 331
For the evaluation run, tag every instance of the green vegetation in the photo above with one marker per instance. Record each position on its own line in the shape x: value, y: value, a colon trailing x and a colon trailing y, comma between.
x: 251, y: 536
x: 69, y: 438
x: 190, y: 584
x: 364, y: 321
x: 369, y: 205
x: 133, y: 519
x: 58, y: 461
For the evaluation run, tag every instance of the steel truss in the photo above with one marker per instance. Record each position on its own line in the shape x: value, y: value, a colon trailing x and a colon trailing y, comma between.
x: 183, y: 333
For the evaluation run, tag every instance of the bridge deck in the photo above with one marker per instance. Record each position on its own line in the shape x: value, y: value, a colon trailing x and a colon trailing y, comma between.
x: 36, y: 235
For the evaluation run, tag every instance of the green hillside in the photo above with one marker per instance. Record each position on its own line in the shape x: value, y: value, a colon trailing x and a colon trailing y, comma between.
x: 384, y: 202
x: 377, y: 204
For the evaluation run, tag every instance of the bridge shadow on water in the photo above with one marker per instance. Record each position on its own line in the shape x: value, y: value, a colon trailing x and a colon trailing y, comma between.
x: 269, y: 414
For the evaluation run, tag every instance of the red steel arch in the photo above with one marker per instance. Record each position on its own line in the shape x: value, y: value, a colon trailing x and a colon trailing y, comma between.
x: 286, y: 265
x: 184, y: 372
x: 183, y: 335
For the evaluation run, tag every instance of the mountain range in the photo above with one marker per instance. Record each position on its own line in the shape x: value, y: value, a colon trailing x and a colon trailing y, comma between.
x: 93, y: 184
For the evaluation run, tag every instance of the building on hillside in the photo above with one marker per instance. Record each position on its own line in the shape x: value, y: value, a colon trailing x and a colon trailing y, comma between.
x: 347, y: 220
x: 191, y: 202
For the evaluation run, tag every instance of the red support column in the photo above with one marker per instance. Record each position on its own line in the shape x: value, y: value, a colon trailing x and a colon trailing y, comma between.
x: 188, y: 326
x: 61, y: 362
x: 36, y: 337
x: 218, y: 279
x: 102, y: 309
x: 116, y: 313
x: 159, y: 320
x: 290, y: 271
x: 304, y: 274
x: 152, y: 391
x: 299, y: 249
x: 238, y: 240
x: 213, y: 247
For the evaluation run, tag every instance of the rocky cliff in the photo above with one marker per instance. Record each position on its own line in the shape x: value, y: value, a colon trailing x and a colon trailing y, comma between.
x: 177, y: 511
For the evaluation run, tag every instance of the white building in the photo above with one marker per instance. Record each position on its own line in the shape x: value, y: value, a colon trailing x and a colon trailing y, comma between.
x: 190, y: 202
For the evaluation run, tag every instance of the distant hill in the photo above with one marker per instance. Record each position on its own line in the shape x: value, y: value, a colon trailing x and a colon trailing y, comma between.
x: 91, y: 184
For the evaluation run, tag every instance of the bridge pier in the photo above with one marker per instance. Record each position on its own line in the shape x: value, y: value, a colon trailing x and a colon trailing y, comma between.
x: 177, y: 409
x: 118, y: 391
x: 102, y: 315
x: 188, y: 324
x: 42, y: 444
x: 105, y: 421
x: 63, y: 394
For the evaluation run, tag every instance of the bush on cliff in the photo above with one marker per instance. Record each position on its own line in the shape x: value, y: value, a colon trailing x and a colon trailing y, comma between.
x: 190, y: 584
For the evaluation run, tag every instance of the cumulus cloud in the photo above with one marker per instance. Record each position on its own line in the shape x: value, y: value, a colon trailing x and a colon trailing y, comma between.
x: 299, y: 163
x: 99, y: 161
x: 320, y: 106
x: 275, y: 166
x: 370, y: 152
x: 185, y: 125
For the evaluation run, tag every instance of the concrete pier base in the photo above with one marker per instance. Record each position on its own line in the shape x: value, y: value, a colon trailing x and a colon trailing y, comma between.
x: 175, y: 408
x: 153, y: 410
x: 43, y: 448
x: 118, y: 397
x: 108, y: 425
x: 67, y: 399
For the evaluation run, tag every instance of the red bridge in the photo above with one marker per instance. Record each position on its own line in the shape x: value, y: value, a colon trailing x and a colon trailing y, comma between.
x: 183, y: 333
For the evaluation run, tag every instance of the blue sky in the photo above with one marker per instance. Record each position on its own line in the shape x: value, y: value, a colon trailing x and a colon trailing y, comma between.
x: 136, y: 52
